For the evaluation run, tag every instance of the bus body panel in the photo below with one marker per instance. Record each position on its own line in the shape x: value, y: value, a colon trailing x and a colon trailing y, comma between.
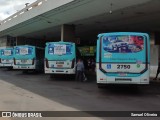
x: 6, y: 57
x: 115, y: 66
x: 25, y: 58
x: 57, y: 62
x: 115, y: 79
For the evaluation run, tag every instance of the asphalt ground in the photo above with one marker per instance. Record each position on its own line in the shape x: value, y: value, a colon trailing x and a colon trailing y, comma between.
x: 40, y: 92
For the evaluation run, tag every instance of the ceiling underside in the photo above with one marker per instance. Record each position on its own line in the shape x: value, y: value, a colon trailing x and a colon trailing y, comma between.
x: 94, y: 16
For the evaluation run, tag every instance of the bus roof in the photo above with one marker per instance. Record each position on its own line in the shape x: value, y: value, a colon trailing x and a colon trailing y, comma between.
x: 59, y: 42
x: 24, y: 45
x: 123, y: 33
x: 28, y: 46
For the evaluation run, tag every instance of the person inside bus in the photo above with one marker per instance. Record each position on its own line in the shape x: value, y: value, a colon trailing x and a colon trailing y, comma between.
x: 158, y: 70
x: 79, y: 70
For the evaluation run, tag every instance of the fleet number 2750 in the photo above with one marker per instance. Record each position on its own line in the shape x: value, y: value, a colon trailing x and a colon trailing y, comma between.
x: 123, y: 66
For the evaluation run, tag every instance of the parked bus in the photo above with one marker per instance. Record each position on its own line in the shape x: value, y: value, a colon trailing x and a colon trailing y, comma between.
x: 60, y: 58
x: 123, y: 58
x: 6, y: 60
x: 28, y: 58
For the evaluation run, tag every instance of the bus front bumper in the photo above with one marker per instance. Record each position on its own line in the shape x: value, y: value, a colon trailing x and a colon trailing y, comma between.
x: 60, y: 71
x: 112, y: 80
x: 141, y: 79
x: 24, y: 67
x: 6, y: 65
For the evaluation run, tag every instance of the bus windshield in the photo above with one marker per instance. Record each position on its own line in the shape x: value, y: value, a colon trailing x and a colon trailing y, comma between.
x: 123, y: 44
x: 7, y: 52
x: 24, y: 50
x: 60, y: 49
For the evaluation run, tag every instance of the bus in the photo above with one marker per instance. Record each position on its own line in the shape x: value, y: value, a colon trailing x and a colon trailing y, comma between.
x: 6, y: 60
x: 28, y: 58
x: 60, y: 58
x: 122, y: 58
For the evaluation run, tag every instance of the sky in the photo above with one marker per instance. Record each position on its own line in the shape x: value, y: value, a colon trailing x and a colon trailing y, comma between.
x: 9, y: 7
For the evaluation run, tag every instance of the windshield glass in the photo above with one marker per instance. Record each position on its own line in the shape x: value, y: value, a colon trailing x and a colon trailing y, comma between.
x: 123, y: 44
x: 7, y: 52
x: 60, y: 49
x: 24, y: 50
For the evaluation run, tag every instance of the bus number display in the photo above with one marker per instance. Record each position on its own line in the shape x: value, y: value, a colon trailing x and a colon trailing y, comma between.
x: 7, y: 52
x: 123, y: 66
x: 23, y: 51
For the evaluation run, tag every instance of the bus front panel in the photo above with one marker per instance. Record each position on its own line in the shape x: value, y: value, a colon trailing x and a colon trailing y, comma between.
x: 24, y: 57
x: 6, y: 57
x: 60, y: 58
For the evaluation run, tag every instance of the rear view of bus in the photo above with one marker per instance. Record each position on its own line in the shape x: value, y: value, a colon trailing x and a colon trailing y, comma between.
x: 60, y: 58
x: 123, y: 58
x: 6, y: 57
x: 25, y: 58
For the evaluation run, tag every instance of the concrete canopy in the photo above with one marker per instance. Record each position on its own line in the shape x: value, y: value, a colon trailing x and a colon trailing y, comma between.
x: 87, y: 16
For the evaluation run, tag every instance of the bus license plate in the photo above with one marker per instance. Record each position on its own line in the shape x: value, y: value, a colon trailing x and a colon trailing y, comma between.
x: 59, y: 62
x: 23, y: 61
x: 59, y: 66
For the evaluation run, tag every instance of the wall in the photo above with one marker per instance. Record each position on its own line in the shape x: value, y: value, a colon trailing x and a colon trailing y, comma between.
x: 154, y: 60
x: 7, y: 41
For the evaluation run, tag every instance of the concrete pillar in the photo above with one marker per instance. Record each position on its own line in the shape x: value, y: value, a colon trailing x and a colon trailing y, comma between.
x: 68, y: 33
x: 154, y: 52
x: 7, y: 41
x: 154, y: 60
x: 3, y: 41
